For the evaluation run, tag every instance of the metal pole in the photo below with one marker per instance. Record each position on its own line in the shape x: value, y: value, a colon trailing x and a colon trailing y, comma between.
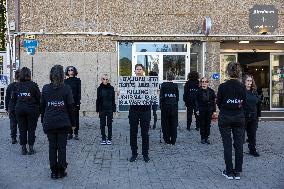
x: 32, y: 66
x: 17, y: 24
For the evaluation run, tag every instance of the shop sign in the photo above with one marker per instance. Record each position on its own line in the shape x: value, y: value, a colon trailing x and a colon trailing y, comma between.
x: 134, y: 90
x: 263, y: 18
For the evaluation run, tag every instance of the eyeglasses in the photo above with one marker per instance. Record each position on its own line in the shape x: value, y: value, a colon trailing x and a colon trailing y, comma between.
x: 204, y: 81
x: 105, y: 79
x: 71, y: 70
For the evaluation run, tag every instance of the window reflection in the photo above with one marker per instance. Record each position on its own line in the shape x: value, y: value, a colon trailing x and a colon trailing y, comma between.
x: 175, y: 64
x: 125, y: 58
x: 154, y: 47
x: 150, y: 62
x: 277, y: 74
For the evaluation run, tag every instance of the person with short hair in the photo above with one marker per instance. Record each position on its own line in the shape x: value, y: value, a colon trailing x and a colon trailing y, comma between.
x: 252, y: 110
x: 206, y: 108
x: 11, y: 109
x: 139, y: 114
x: 26, y: 101
x: 189, y: 97
x: 105, y: 107
x: 57, y: 117
x: 169, y: 97
x: 75, y: 83
x: 231, y: 98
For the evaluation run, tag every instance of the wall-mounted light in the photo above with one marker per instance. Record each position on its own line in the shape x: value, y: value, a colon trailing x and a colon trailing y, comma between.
x: 279, y: 41
x: 243, y: 41
x: 256, y: 69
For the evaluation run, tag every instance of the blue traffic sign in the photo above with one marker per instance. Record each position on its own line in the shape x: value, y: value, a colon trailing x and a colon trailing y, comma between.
x: 216, y: 76
x: 30, y: 43
x: 31, y: 51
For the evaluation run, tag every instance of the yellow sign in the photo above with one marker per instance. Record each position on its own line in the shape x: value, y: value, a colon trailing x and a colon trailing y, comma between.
x: 29, y: 36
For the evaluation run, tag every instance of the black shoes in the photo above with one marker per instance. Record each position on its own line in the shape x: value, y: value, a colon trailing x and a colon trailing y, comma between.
x: 196, y: 128
x: 254, y: 153
x: 76, y: 137
x: 207, y: 141
x: 146, y: 159
x: 228, y: 176
x: 14, y: 141
x: 24, y: 150
x: 154, y: 126
x: 31, y: 150
x: 69, y: 137
x: 237, y: 175
x: 188, y: 128
x: 203, y: 141
x: 58, y: 172
x: 133, y: 158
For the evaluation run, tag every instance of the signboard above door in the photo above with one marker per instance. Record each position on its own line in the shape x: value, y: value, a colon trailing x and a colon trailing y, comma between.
x: 263, y: 18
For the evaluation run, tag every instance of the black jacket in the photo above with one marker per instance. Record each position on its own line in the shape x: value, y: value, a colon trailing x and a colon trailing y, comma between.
x: 57, y: 107
x: 252, y: 106
x: 9, y: 91
x: 169, y: 94
x: 25, y: 95
x: 105, y: 98
x: 206, y: 100
x: 190, y: 91
x: 231, y: 98
x: 75, y: 84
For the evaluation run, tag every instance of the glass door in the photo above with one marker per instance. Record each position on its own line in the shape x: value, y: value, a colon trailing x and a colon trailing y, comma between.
x: 276, y: 81
x: 225, y: 59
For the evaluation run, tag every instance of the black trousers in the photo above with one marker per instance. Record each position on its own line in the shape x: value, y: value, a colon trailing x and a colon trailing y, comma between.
x: 77, y: 115
x: 251, y: 127
x: 232, y: 125
x: 106, y: 120
x: 57, y: 148
x: 169, y: 122
x: 155, y: 117
x: 144, y: 118
x: 205, y: 123
x: 27, y: 122
x: 189, y: 111
x: 13, y: 124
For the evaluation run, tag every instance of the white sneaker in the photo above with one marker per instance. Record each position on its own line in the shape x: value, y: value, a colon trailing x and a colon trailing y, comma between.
x: 103, y: 142
x: 108, y: 142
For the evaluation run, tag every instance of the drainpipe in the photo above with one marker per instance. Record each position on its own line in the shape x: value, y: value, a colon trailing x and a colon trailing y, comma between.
x: 17, y: 29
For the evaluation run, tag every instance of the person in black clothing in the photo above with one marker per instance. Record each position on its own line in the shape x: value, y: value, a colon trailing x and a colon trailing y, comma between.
x: 11, y: 109
x: 189, y: 97
x: 105, y: 106
x: 252, y: 112
x: 169, y: 97
x: 142, y: 114
x: 154, y: 107
x: 75, y: 83
x: 206, y: 107
x: 231, y: 98
x: 57, y: 117
x: 26, y: 101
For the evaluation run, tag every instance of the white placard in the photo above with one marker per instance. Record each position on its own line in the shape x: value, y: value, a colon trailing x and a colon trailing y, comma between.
x: 138, y: 90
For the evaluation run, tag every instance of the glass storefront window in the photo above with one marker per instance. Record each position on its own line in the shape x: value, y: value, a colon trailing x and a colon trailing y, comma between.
x: 163, y: 47
x: 225, y: 59
x: 175, y: 64
x: 150, y: 63
x: 125, y: 58
x: 277, y: 80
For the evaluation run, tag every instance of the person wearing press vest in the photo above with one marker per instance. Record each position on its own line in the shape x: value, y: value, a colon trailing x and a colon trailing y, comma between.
x: 11, y: 109
x: 252, y: 113
x: 154, y: 107
x: 189, y: 97
x: 57, y: 111
x: 206, y: 107
x: 139, y: 114
x: 26, y: 99
x: 231, y: 98
x: 169, y: 97
x: 105, y: 106
x: 75, y: 83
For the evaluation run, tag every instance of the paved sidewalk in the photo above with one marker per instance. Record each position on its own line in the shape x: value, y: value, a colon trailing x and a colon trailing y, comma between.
x: 189, y: 164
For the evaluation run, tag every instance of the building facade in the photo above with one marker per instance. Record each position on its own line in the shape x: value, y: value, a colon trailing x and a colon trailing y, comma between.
x: 111, y: 36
